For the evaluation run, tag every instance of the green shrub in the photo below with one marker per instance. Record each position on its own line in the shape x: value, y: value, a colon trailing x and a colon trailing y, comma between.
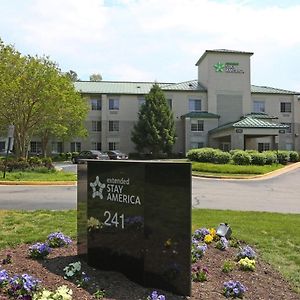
x: 35, y: 161
x: 258, y: 158
x: 47, y: 162
x: 233, y: 151
x: 271, y: 157
x: 294, y: 156
x: 207, y: 155
x: 283, y: 157
x: 43, y: 169
x: 20, y: 165
x: 192, y: 154
x: 222, y: 157
x: 241, y: 158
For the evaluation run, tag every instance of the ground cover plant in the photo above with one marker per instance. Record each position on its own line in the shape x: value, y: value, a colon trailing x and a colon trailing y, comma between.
x: 265, y: 234
x: 38, y: 175
x: 225, y: 169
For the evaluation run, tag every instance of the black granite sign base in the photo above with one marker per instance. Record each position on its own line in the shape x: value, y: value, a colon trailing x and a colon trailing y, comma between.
x: 135, y: 218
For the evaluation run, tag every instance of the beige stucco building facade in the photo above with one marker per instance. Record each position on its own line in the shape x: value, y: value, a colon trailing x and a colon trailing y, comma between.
x: 220, y: 109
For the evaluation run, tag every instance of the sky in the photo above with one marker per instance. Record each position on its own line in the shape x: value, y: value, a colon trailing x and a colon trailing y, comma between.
x: 157, y: 40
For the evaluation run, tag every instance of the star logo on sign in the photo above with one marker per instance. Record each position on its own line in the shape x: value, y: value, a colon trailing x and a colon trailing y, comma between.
x: 219, y: 67
x: 97, y: 187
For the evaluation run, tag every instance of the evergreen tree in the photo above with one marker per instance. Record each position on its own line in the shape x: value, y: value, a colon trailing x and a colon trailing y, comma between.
x: 155, y: 129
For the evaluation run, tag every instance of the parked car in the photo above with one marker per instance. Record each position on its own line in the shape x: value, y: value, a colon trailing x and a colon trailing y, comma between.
x: 89, y: 154
x: 116, y: 154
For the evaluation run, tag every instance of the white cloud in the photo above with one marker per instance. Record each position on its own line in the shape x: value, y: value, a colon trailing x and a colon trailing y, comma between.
x: 153, y: 39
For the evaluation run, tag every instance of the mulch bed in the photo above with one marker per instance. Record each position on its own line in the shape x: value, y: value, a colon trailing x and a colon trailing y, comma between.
x: 264, y: 283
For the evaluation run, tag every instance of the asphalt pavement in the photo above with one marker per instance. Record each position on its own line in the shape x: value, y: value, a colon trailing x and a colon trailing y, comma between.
x: 278, y: 192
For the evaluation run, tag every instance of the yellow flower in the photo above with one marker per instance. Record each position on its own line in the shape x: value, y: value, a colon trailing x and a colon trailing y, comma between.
x: 208, y: 239
x: 213, y: 232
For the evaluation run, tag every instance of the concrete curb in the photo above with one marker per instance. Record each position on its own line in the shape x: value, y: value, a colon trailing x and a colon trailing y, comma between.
x: 256, y: 177
x: 66, y: 183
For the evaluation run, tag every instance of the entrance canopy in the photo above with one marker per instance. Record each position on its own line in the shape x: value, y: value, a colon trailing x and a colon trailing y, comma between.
x: 241, y: 134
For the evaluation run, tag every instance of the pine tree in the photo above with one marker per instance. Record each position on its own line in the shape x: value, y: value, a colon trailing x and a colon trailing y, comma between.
x: 155, y: 129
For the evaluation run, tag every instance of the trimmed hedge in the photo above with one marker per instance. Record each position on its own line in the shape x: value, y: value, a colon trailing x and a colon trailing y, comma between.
x: 240, y: 157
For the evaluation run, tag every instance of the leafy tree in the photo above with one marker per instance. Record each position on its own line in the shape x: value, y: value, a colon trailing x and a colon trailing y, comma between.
x: 96, y: 77
x: 155, y: 129
x: 72, y: 76
x: 38, y: 99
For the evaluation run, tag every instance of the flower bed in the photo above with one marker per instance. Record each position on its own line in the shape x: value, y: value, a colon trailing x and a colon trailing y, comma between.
x: 55, y: 276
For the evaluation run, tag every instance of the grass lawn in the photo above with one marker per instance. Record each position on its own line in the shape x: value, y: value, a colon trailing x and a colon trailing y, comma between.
x: 231, y: 169
x: 274, y: 235
x: 38, y: 176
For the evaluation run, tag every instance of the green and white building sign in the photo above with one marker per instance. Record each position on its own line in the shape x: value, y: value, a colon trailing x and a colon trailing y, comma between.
x: 228, y: 67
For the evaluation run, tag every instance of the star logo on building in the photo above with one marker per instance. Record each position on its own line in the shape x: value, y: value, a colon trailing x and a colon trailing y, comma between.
x: 97, y: 187
x: 219, y: 67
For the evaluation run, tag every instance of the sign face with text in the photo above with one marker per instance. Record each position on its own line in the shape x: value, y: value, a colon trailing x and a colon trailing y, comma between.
x: 138, y: 221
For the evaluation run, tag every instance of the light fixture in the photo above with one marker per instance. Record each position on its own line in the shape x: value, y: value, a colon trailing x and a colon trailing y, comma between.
x: 224, y: 230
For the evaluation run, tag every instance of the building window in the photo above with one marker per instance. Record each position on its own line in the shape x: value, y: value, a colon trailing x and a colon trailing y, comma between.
x: 194, y: 105
x: 170, y: 103
x: 96, y: 146
x: 141, y: 101
x: 113, y: 146
x: 289, y: 129
x: 96, y: 126
x: 258, y: 106
x: 114, y: 104
x: 263, y: 147
x: 197, y: 125
x: 57, y: 147
x: 196, y: 145
x: 285, y: 107
x: 113, y: 125
x: 75, y: 147
x: 35, y: 147
x: 96, y: 104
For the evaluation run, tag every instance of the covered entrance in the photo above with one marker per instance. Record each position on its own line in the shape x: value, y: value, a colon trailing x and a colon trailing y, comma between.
x: 252, y: 132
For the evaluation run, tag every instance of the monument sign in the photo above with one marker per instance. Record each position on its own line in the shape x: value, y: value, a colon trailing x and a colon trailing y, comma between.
x: 135, y: 218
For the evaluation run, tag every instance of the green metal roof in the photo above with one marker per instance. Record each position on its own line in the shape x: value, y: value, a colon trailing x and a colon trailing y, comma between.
x: 261, y: 115
x: 255, y: 89
x: 115, y: 87
x: 135, y: 88
x: 200, y: 114
x: 249, y: 121
x: 191, y: 85
x: 143, y: 88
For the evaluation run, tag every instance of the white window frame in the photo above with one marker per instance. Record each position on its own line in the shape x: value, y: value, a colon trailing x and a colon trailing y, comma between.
x: 96, y: 126
x: 96, y: 104
x: 75, y: 146
x: 263, y: 147
x: 197, y: 125
x: 96, y: 146
x: 114, y: 103
x: 193, y: 105
x: 197, y: 145
x: 285, y: 107
x: 113, y: 146
x: 113, y: 126
x: 259, y: 106
x: 35, y: 147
